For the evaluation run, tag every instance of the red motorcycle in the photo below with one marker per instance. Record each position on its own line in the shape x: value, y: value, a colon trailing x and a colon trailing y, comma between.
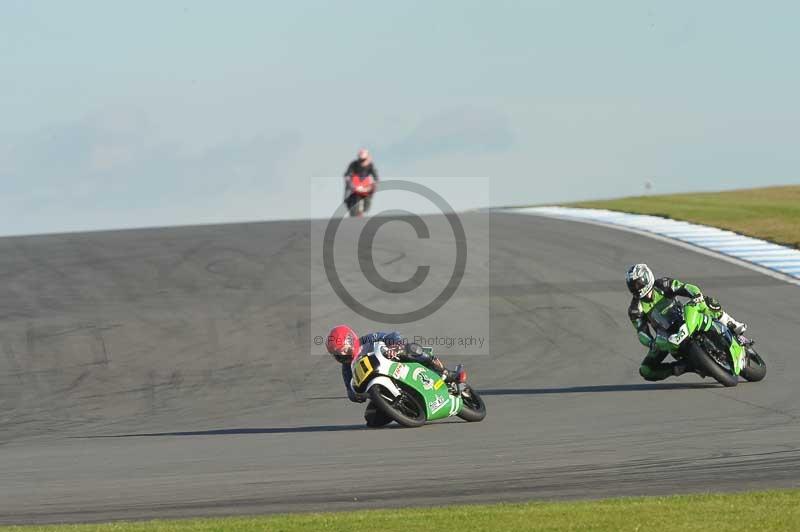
x: 362, y: 189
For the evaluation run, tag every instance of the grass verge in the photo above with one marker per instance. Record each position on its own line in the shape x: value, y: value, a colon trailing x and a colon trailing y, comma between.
x: 771, y: 213
x: 753, y: 511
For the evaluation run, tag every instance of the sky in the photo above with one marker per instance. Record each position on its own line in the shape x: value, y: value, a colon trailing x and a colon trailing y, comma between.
x: 134, y: 114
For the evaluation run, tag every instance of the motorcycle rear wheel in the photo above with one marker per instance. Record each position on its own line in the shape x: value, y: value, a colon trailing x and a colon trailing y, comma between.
x: 473, y: 409
x: 756, y: 368
x: 406, y: 409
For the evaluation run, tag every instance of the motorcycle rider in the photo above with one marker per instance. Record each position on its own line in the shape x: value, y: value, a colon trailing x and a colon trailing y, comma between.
x: 648, y: 295
x: 345, y: 345
x: 362, y: 167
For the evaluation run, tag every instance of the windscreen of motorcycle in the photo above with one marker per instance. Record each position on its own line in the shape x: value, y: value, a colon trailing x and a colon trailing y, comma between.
x: 667, y: 317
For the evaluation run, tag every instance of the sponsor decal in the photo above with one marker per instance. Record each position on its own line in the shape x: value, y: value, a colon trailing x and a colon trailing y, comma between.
x: 437, y: 403
x: 421, y: 375
x: 680, y: 336
x: 438, y: 384
x: 400, y: 372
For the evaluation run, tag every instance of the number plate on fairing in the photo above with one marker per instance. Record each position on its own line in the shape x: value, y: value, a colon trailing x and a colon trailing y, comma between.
x: 364, y: 368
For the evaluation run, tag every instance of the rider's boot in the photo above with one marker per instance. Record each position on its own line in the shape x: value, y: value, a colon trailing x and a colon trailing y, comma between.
x: 457, y: 379
x: 457, y: 375
x: 736, y: 326
x: 447, y: 375
x: 680, y: 367
x: 437, y: 365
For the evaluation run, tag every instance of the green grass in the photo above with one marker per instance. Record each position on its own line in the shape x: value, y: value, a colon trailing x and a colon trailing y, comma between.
x: 770, y: 213
x: 756, y: 511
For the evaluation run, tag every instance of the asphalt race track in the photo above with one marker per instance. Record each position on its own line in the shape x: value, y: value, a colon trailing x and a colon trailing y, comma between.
x: 169, y: 373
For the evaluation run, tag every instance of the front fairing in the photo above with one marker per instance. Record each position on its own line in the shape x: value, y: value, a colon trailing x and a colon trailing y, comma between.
x: 698, y: 320
x: 729, y: 343
x: 665, y: 315
x: 675, y: 322
x: 695, y: 317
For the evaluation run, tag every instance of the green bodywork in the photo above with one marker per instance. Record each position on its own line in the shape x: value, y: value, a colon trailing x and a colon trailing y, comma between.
x: 439, y: 403
x: 697, y: 318
x: 434, y: 391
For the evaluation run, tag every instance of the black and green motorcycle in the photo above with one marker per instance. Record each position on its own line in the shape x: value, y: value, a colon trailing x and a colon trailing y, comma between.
x: 690, y: 333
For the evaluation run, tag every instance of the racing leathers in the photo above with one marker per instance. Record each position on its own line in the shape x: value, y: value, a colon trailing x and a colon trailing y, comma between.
x: 653, y: 367
x: 394, y: 342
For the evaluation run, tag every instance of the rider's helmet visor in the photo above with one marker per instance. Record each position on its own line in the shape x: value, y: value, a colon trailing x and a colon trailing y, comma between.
x: 638, y: 286
x: 342, y: 358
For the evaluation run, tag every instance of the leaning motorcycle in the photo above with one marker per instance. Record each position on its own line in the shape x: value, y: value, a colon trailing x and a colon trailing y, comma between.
x: 409, y: 393
x: 362, y: 188
x: 689, y: 333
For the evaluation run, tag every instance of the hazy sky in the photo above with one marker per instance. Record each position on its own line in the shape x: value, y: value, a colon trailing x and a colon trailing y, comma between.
x: 125, y: 114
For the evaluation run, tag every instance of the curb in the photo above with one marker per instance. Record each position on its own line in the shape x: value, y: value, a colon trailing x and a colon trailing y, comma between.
x: 765, y: 255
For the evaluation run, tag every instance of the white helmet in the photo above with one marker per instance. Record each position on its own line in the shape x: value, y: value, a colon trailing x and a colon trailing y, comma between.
x: 640, y: 280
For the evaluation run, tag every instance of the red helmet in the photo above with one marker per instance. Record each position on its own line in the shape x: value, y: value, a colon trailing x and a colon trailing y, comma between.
x: 343, y: 343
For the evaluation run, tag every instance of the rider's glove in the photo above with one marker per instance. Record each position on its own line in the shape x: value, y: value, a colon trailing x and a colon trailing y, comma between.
x: 392, y: 351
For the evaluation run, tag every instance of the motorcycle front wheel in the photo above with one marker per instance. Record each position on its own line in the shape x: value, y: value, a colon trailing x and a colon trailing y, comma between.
x: 710, y: 366
x: 406, y: 408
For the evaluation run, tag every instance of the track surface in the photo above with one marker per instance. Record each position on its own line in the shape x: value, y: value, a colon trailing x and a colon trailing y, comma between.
x: 198, y: 337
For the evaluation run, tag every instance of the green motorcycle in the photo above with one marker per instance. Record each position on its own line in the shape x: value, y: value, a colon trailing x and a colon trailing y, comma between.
x: 409, y: 393
x: 688, y: 332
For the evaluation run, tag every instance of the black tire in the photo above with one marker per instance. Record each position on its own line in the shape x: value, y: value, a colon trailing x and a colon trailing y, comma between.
x: 756, y: 368
x: 473, y: 409
x: 702, y: 361
x: 406, y: 409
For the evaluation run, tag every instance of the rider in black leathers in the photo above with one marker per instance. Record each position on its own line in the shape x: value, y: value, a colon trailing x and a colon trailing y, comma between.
x: 362, y: 167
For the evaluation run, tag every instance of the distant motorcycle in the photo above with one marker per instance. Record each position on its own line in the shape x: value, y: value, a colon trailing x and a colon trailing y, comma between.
x: 362, y: 188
